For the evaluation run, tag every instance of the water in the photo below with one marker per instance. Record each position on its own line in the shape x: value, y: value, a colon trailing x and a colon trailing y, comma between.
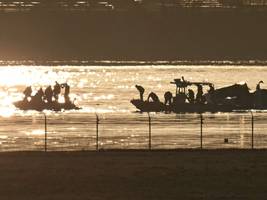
x: 107, y: 91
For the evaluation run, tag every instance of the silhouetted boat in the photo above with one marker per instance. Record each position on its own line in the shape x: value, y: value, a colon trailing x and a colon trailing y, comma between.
x: 227, y: 99
x: 145, y: 106
x: 55, y: 106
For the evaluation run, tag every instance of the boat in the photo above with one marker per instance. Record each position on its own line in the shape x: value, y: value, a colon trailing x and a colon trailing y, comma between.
x: 231, y: 98
x: 54, y: 106
x: 43, y: 100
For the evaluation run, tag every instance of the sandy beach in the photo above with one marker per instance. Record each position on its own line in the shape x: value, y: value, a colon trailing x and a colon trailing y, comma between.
x: 181, y: 174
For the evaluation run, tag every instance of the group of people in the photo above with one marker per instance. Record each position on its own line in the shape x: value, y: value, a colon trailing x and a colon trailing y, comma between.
x: 200, y: 97
x: 153, y: 97
x: 48, y: 94
x: 168, y: 96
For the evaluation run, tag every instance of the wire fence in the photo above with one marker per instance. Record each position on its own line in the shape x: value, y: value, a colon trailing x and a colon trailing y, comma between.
x: 70, y: 132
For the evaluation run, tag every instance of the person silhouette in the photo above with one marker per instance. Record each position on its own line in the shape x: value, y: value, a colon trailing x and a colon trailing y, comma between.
x: 168, y: 98
x: 48, y: 94
x: 199, y: 97
x: 27, y: 92
x: 258, y: 96
x: 56, y: 91
x: 38, y: 97
x: 211, y: 90
x: 258, y: 87
x: 141, y: 91
x: 67, y: 92
x: 153, y: 96
x: 191, y: 96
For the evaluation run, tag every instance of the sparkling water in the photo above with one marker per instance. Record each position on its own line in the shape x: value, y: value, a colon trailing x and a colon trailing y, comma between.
x: 106, y: 91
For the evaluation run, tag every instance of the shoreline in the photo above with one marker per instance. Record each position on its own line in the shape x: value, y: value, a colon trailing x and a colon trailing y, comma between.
x: 183, y: 174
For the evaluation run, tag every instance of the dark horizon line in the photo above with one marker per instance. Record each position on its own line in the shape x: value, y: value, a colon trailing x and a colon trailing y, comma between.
x: 130, y: 62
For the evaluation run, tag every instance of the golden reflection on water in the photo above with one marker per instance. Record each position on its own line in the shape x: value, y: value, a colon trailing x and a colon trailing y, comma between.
x: 110, y: 88
x: 107, y: 91
x: 89, y: 85
x: 13, y: 80
x: 35, y: 132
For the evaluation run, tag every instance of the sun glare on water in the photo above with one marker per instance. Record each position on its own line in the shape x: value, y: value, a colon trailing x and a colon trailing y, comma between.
x: 36, y: 132
x: 13, y: 81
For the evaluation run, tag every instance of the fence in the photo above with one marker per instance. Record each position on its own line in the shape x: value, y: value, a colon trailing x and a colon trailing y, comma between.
x: 83, y: 131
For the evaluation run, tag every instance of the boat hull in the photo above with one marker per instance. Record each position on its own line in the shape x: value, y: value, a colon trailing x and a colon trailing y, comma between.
x: 145, y: 106
x: 25, y: 105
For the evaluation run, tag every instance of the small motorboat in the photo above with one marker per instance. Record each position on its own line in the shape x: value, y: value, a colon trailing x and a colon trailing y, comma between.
x: 236, y: 97
x: 44, y: 100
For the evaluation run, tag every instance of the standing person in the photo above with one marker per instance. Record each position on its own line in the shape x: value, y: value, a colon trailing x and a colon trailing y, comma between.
x: 141, y: 91
x: 56, y: 91
x: 67, y: 92
x: 49, y: 94
x: 258, y: 96
x: 199, y: 97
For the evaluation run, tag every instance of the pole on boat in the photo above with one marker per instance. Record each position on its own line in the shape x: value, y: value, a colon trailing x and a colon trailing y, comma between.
x: 149, y: 131
x: 252, y: 130
x: 97, y: 123
x: 201, y: 130
x: 45, y: 120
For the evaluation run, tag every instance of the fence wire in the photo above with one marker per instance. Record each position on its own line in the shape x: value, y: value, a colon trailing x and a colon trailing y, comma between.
x: 89, y: 131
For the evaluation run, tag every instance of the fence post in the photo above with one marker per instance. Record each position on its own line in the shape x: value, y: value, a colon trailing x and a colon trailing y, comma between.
x: 201, y: 130
x: 252, y: 130
x: 97, y: 123
x: 45, y: 120
x: 149, y: 131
